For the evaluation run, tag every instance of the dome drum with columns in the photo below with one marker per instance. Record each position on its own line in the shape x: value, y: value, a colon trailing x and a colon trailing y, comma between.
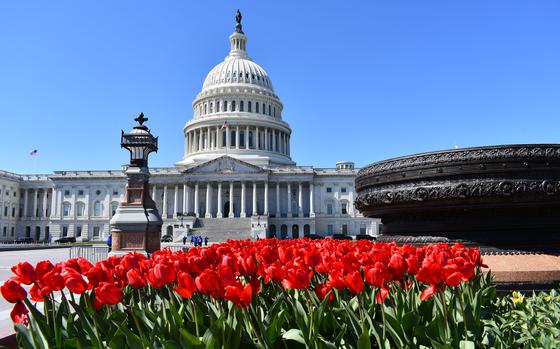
x: 236, y: 179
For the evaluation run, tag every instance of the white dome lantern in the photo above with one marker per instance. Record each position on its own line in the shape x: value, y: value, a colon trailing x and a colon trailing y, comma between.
x: 237, y: 113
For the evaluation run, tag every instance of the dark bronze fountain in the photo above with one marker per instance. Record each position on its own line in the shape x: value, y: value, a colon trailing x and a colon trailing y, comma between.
x: 506, y: 196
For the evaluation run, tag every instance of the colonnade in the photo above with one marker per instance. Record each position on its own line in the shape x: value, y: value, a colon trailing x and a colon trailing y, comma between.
x: 38, y: 195
x: 192, y: 199
x: 209, y: 138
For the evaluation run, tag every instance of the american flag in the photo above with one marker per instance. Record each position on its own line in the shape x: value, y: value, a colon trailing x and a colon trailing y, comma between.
x: 34, y: 152
x: 224, y: 125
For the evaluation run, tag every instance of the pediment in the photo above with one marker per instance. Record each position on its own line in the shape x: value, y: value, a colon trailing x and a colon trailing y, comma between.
x: 224, y: 165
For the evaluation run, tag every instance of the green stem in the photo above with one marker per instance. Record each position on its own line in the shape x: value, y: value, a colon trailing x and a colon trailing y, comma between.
x: 195, y: 317
x: 384, y: 322
x: 460, y: 296
x: 442, y: 296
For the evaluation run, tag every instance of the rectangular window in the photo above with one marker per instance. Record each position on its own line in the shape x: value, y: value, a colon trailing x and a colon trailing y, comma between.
x: 66, y: 192
x: 343, y: 190
x: 329, y: 208
x: 115, y: 192
x: 78, y: 231
x: 12, y: 232
x: 249, y: 107
x: 4, y: 231
x: 330, y: 229
x: 345, y: 229
x: 64, y: 230
x: 329, y: 190
x: 13, y: 211
x: 66, y: 210
x: 363, y: 228
x: 80, y: 210
x: 5, y: 211
x: 80, y: 192
x: 96, y: 232
x: 344, y: 208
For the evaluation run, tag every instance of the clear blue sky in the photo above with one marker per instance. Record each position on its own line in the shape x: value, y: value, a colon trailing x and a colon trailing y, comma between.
x: 360, y: 81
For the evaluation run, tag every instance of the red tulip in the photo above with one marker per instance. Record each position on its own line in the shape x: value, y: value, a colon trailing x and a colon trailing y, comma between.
x: 381, y: 295
x: 428, y: 293
x: 397, y: 266
x: 323, y: 290
x: 107, y: 293
x: 25, y: 273
x: 19, y: 313
x: 53, y: 280
x: 76, y: 284
x: 378, y: 276
x: 297, y: 278
x: 240, y: 296
x: 186, y: 287
x: 274, y: 272
x: 135, y: 278
x: 164, y: 273
x: 354, y: 282
x: 43, y: 268
x: 207, y: 283
x: 12, y: 291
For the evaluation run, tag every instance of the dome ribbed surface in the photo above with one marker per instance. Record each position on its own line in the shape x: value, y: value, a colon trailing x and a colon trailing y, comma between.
x: 237, y: 71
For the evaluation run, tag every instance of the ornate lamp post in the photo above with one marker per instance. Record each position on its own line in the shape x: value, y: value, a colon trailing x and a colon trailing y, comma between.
x: 136, y: 226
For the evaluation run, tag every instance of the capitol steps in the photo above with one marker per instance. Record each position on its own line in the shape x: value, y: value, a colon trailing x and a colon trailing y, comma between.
x: 222, y: 229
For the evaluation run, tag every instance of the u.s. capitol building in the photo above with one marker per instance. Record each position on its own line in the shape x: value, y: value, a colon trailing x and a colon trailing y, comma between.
x: 236, y: 179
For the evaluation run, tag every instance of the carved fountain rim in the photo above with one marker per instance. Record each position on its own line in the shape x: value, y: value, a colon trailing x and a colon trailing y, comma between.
x: 462, y: 154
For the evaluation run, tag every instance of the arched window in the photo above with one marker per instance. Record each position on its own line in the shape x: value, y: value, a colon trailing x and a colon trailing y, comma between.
x: 306, y: 230
x: 225, y: 106
x: 80, y: 209
x: 205, y: 106
x: 250, y: 138
x: 217, y: 106
x: 211, y: 107
x: 97, y: 208
x: 241, y: 106
x: 249, y: 107
x: 241, y: 138
x: 224, y: 136
x: 114, y: 206
x: 232, y: 106
x: 257, y: 107
x: 232, y: 139
x: 272, y: 231
x: 66, y: 207
x: 269, y: 113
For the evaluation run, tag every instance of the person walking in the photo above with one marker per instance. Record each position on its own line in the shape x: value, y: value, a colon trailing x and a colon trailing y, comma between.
x: 110, y: 242
x: 184, y: 240
x: 206, y: 241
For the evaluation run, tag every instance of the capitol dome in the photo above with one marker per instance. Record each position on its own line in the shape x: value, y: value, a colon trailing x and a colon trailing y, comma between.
x: 237, y: 113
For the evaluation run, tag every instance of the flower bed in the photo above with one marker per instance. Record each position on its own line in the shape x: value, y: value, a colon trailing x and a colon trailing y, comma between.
x: 265, y: 294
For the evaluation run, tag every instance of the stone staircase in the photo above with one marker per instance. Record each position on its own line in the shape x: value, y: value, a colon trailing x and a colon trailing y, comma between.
x: 222, y: 229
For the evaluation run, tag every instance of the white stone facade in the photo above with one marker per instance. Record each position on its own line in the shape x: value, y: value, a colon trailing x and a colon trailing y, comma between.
x: 236, y: 173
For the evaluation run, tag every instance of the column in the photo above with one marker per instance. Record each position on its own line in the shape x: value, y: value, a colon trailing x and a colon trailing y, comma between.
x: 184, y: 211
x: 25, y: 194
x: 208, y: 139
x: 36, y: 199
x: 60, y: 203
x: 278, y: 213
x: 274, y: 140
x: 208, y: 200
x: 237, y: 137
x: 219, y: 213
x: 187, y: 144
x: 217, y: 142
x: 243, y: 210
x: 255, y: 212
x: 266, y: 198
x: 231, y: 213
x: 164, y: 202
x: 154, y: 193
x: 256, y: 138
x: 300, y: 200
x: 73, y: 211
x: 44, y: 211
x: 88, y: 203
x: 289, y: 199
x: 227, y: 137
x: 265, y: 138
x: 196, y: 199
x: 187, y: 207
x: 311, y: 199
x: 176, y: 201
x: 53, y: 202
